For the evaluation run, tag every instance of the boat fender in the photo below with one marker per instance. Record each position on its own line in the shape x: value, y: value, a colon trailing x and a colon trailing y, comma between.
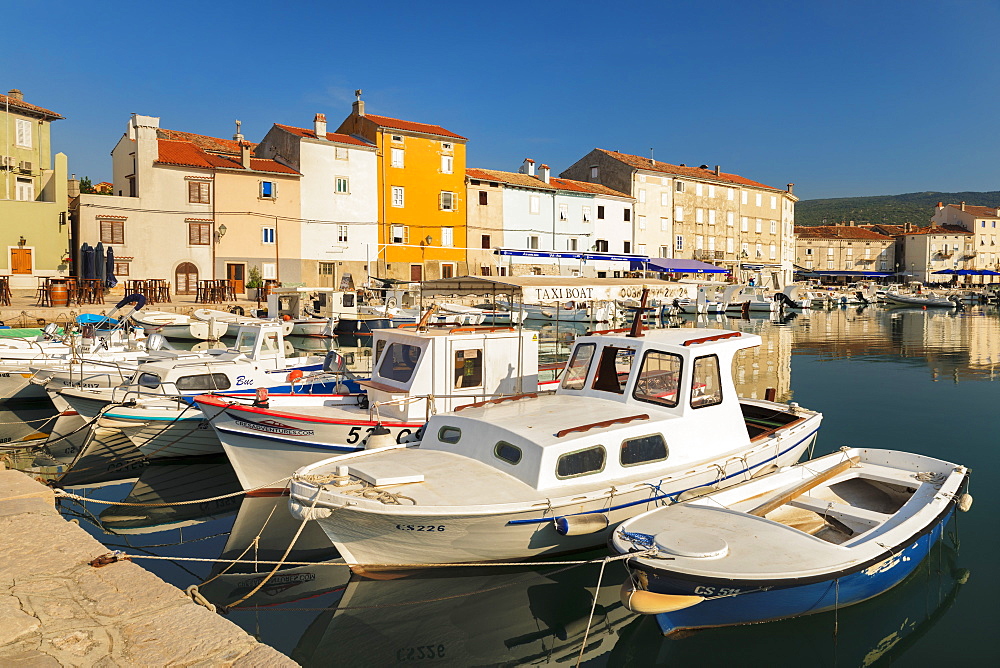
x: 261, y: 398
x: 650, y: 603
x: 965, y: 502
x: 363, y: 401
x: 380, y: 437
x: 578, y: 525
x: 293, y: 376
x: 301, y: 512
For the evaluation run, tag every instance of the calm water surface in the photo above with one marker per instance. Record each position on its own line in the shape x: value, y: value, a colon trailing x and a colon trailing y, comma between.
x: 923, y: 381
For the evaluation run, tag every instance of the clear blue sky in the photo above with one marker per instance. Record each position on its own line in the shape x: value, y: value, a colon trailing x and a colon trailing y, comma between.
x: 841, y: 98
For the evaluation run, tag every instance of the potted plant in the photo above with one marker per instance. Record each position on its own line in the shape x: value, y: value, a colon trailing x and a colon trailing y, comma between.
x: 255, y: 282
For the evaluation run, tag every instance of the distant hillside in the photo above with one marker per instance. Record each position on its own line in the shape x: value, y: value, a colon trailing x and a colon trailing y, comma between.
x: 914, y: 208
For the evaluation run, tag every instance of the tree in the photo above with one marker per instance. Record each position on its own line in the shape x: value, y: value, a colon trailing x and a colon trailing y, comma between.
x: 86, y: 187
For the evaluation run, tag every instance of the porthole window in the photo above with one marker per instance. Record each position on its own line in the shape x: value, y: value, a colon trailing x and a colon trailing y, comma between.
x: 581, y: 462
x: 644, y: 449
x: 449, y: 435
x: 507, y: 452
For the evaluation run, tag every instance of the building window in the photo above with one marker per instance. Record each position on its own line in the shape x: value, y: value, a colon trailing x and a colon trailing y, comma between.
x: 679, y: 186
x: 758, y: 199
x: 586, y: 214
x: 642, y: 222
x: 533, y: 243
x: 664, y: 199
x: 199, y: 234
x: 571, y: 244
x: 397, y: 157
x: 601, y: 246
x: 563, y: 212
x: 342, y: 234
x: 758, y: 226
x: 397, y: 196
x: 113, y: 231
x: 267, y: 235
x: 447, y: 164
x: 268, y: 190
x: 664, y: 224
x: 729, y: 244
x: 533, y: 204
x: 699, y: 215
x: 744, y: 224
x: 627, y: 246
x: 730, y: 218
x: 743, y: 197
x: 199, y: 192
x: 680, y: 242
x: 25, y: 190
x: 447, y: 201
x: 774, y: 227
x: 679, y: 214
x: 268, y: 271
x: 627, y: 215
x: 400, y: 235
x: 447, y: 236
x: 340, y: 153
x: 711, y: 216
x: 664, y: 251
x: 343, y: 185
x: 642, y: 195
x: 774, y: 202
x: 698, y: 189
x: 121, y: 267
x: 594, y: 171
x: 485, y: 271
x: 447, y: 270
x: 23, y: 133
x: 484, y: 198
x: 485, y: 239
x: 600, y: 212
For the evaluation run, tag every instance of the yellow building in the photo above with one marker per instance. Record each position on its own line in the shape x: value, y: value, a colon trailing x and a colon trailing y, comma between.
x: 421, y: 198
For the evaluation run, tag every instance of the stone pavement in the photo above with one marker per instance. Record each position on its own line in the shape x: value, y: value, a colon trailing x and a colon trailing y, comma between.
x: 58, y: 610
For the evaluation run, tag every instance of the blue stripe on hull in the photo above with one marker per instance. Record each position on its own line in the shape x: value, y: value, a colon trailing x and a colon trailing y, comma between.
x: 792, y: 601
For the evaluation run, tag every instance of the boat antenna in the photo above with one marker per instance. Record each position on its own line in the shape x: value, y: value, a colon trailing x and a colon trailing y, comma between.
x: 636, y: 330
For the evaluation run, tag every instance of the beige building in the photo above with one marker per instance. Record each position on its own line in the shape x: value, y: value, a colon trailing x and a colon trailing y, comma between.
x: 983, y: 222
x: 844, y: 250
x: 484, y: 219
x: 926, y: 250
x: 189, y: 207
x: 34, y: 232
x: 701, y: 213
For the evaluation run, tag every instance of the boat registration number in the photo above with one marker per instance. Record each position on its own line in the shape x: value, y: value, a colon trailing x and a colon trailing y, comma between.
x: 420, y: 527
x: 720, y: 591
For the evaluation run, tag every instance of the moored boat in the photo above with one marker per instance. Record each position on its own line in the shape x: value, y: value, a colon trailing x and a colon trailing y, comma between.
x: 817, y: 536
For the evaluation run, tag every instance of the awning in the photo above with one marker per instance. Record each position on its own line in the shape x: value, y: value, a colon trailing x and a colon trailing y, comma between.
x: 571, y: 255
x: 551, y: 289
x: 968, y: 272
x: 873, y: 274
x: 678, y: 266
x: 756, y: 266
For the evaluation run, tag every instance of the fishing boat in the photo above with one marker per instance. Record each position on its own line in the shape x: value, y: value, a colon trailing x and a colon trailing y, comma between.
x: 312, y: 311
x: 817, y: 536
x: 753, y: 300
x: 636, y: 420
x: 416, y: 373
x: 235, y: 320
x: 928, y: 299
x: 181, y: 326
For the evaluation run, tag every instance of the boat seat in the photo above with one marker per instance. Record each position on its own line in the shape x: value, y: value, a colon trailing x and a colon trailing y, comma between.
x: 888, y: 475
x: 840, y: 511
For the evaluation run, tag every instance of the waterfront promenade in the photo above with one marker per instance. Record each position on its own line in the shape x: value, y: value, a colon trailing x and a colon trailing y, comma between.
x: 57, y: 609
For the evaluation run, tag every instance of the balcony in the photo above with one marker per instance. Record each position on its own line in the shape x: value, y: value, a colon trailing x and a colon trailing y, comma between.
x: 709, y: 255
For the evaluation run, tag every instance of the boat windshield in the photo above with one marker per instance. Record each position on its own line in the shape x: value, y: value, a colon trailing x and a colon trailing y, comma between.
x: 576, y: 370
x: 706, y: 383
x: 659, y: 379
x: 613, y: 370
x: 398, y: 362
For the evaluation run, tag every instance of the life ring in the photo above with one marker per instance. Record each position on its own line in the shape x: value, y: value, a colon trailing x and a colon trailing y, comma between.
x: 391, y: 302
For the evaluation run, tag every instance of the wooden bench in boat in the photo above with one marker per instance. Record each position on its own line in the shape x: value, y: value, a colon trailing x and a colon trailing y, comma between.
x: 840, y: 511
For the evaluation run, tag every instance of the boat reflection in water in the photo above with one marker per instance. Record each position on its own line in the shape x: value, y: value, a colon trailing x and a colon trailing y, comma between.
x: 465, y: 617
x: 876, y: 632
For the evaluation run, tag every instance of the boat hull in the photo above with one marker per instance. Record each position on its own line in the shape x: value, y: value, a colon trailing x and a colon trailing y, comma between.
x: 747, y: 602
x: 404, y: 538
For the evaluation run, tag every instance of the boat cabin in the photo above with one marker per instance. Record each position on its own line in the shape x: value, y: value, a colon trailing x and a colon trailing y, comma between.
x: 454, y: 366
x: 304, y: 302
x: 625, y: 406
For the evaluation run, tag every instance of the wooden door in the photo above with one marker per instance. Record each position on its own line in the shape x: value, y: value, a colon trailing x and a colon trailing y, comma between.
x: 20, y: 260
x: 186, y: 279
x: 236, y: 275
x: 416, y: 272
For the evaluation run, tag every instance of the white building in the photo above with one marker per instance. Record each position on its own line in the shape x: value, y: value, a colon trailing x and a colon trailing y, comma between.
x: 339, y: 191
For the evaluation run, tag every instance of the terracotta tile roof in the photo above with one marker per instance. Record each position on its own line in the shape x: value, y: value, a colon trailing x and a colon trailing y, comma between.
x: 838, y: 232
x: 934, y: 229
x: 21, y: 105
x: 330, y: 136
x: 891, y: 230
x: 677, y: 170
x: 186, y: 154
x: 213, y: 144
x: 397, y: 124
x: 979, y: 211
x: 525, y: 181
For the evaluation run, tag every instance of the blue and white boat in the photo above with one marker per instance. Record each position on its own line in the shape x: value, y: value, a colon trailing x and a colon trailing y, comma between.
x: 809, y: 538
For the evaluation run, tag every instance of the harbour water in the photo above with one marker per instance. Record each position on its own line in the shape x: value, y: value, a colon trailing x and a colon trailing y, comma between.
x: 924, y: 381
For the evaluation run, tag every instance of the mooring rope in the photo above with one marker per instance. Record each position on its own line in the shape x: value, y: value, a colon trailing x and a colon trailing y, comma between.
x: 63, y: 494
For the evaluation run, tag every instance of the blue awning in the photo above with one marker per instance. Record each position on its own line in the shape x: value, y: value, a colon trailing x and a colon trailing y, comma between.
x: 678, y: 266
x: 571, y: 255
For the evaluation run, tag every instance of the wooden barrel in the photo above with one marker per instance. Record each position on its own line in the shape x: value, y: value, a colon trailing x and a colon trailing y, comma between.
x: 58, y: 294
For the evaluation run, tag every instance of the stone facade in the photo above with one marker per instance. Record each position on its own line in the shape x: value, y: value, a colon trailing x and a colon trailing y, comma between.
x: 844, y: 248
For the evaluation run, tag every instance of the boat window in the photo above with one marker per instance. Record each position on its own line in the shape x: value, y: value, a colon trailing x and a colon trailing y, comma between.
x: 659, y: 379
x: 579, y: 365
x: 398, y: 362
x: 348, y: 301
x: 150, y: 380
x: 468, y: 368
x: 270, y: 342
x: 581, y: 462
x: 508, y: 452
x: 449, y: 435
x: 613, y: 369
x: 644, y: 449
x: 204, y: 381
x: 706, y: 383
x: 246, y: 341
x: 379, y: 347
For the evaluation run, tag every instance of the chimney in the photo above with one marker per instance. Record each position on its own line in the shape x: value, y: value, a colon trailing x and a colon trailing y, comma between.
x: 245, y: 154
x: 73, y: 186
x: 238, y: 136
x: 527, y: 167
x: 852, y: 223
x: 908, y: 227
x: 790, y: 188
x: 15, y: 94
x: 359, y: 105
x: 543, y: 173
x: 963, y: 206
x: 718, y: 170
x: 319, y: 125
x: 940, y: 205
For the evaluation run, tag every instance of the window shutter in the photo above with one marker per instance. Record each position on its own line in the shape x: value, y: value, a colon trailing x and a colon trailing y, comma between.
x: 192, y: 234
x: 118, y: 233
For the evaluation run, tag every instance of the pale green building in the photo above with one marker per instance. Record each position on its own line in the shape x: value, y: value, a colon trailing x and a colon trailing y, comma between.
x: 34, y: 223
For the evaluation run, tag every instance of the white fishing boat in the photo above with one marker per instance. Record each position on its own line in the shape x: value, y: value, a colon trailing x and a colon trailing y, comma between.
x: 312, y: 311
x: 707, y: 300
x: 181, y: 326
x: 793, y: 297
x: 416, y: 373
x: 235, y: 320
x: 928, y: 299
x: 753, y: 300
x: 817, y: 536
x: 637, y: 420
x: 153, y: 409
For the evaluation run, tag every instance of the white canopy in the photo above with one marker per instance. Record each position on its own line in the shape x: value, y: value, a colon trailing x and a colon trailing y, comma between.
x: 552, y: 289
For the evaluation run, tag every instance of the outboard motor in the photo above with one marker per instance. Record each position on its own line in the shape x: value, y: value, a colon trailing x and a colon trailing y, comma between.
x: 157, y: 342
x: 861, y: 297
x: 785, y: 300
x: 50, y: 330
